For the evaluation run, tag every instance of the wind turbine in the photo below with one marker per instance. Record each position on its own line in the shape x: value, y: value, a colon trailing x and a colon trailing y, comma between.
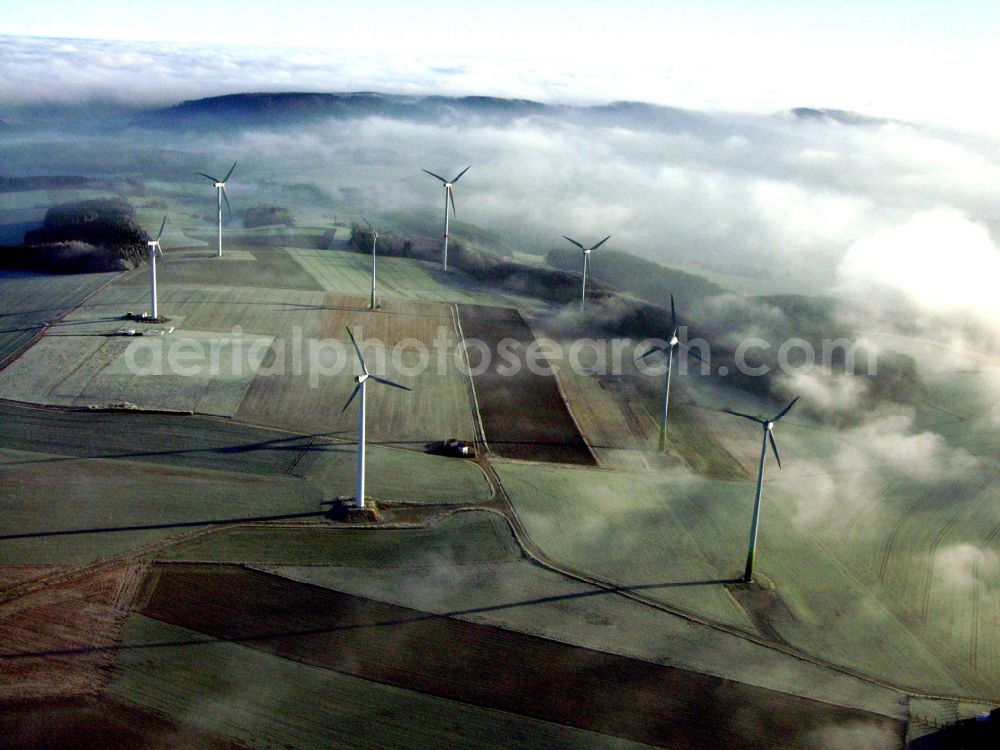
x: 448, y: 196
x: 768, y: 426
x: 361, y: 380
x: 586, y: 265
x: 221, y: 187
x: 371, y: 304
x: 669, y: 349
x: 154, y: 248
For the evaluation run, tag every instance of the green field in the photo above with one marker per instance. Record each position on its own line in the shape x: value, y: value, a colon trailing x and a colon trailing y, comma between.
x: 266, y: 356
x: 520, y: 595
x: 878, y: 566
x: 460, y: 539
x: 28, y: 301
x: 395, y: 278
x: 74, y: 511
x: 677, y: 539
x: 269, y: 701
x: 61, y: 509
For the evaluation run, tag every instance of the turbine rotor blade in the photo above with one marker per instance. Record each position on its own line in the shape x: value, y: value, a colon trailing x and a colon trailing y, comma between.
x: 353, y: 394
x: 758, y: 420
x: 785, y: 411
x: 691, y: 352
x: 226, y: 197
x: 160, y: 233
x: 213, y: 179
x: 460, y: 174
x: 653, y: 350
x: 357, y: 350
x: 574, y: 242
x: 383, y: 381
x: 601, y: 242
x: 435, y: 175
x: 774, y: 447
x: 673, y: 317
x: 229, y: 173
x: 369, y: 224
x: 451, y: 195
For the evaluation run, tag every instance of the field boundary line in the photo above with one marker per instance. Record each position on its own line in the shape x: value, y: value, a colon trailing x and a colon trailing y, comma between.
x: 477, y: 420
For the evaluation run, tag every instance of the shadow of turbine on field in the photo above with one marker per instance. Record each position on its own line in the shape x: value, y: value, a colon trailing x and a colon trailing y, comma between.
x: 172, y: 525
x: 300, y: 444
x: 330, y: 629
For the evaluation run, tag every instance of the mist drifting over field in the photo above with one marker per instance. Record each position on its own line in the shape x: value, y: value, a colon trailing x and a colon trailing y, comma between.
x: 810, y: 203
x: 893, y: 223
x: 893, y: 219
x: 896, y: 220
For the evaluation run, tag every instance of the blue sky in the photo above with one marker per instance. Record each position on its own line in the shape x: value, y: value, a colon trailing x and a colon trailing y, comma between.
x: 918, y: 60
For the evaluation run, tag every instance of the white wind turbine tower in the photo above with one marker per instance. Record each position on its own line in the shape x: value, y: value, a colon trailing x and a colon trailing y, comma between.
x: 448, y: 196
x: 672, y: 343
x: 361, y: 380
x: 371, y: 303
x: 768, y: 427
x: 154, y: 248
x: 220, y: 185
x: 586, y: 265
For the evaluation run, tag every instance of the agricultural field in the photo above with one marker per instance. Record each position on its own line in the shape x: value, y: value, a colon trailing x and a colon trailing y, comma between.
x: 341, y: 271
x: 619, y: 416
x: 76, y: 511
x: 228, y: 689
x: 240, y: 266
x: 266, y: 356
x: 97, y: 723
x: 460, y: 539
x: 518, y: 594
x: 30, y: 301
x: 113, y: 482
x: 523, y: 412
x: 681, y: 539
x: 220, y: 478
x: 54, y: 633
x: 331, y: 630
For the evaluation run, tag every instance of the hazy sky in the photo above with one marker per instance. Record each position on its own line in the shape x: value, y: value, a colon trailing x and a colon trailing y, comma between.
x: 911, y: 59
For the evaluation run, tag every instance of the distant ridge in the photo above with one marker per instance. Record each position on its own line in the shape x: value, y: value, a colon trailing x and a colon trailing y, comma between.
x: 842, y: 116
x: 287, y: 108
x: 280, y: 109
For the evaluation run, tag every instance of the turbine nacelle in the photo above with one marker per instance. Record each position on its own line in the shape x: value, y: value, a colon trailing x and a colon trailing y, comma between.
x: 674, y: 341
x: 154, y: 244
x: 359, y: 379
x: 449, y: 193
x: 587, y: 250
x: 221, y: 186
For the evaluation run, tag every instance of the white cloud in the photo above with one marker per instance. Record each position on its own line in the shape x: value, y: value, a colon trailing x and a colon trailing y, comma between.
x: 869, y: 458
x: 940, y: 260
x: 962, y: 565
x: 924, y: 455
x: 828, y: 393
